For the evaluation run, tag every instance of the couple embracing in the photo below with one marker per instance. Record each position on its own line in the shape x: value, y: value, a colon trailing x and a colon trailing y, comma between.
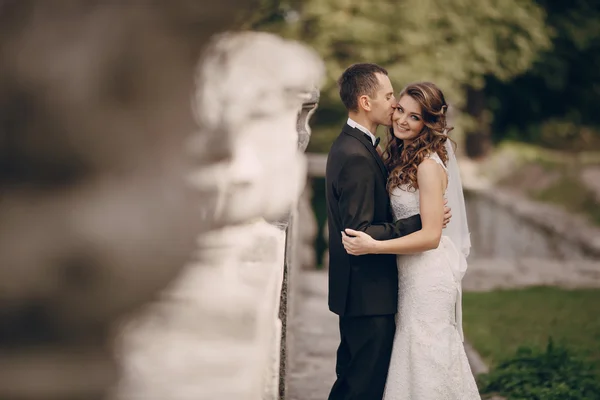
x: 397, y: 256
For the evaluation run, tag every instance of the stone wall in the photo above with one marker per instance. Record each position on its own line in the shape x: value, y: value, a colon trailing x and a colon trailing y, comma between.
x: 505, y: 225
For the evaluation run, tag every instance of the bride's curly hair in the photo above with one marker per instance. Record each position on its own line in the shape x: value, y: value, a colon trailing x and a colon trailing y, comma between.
x: 403, y: 162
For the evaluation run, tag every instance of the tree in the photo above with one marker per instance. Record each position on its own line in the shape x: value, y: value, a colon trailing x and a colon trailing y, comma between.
x: 555, y: 103
x: 454, y: 43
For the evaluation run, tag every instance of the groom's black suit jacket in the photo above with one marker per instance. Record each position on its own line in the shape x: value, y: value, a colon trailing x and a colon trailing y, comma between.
x: 357, y: 198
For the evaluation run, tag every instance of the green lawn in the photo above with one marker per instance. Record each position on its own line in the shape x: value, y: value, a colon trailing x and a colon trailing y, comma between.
x: 497, y: 323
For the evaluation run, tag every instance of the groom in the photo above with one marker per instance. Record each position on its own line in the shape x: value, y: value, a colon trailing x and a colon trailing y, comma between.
x: 363, y: 290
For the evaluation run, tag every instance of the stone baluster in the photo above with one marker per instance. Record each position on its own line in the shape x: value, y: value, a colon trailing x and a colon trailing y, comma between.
x: 298, y: 225
x: 309, y: 106
x: 215, y: 332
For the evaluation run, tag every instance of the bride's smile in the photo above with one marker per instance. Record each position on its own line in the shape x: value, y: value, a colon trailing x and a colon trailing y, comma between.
x: 407, y: 119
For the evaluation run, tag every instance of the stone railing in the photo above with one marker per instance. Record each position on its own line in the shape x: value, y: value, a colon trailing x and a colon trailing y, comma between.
x: 106, y: 195
x: 505, y: 225
x: 218, y: 332
x: 297, y: 242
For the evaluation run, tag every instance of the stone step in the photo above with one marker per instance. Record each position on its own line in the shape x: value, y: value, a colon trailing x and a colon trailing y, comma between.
x: 485, y: 274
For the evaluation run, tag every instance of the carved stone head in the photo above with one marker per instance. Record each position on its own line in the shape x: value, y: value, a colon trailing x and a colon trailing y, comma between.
x: 250, y: 89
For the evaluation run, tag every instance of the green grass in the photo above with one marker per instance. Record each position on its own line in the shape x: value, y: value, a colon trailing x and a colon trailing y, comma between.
x: 498, y: 323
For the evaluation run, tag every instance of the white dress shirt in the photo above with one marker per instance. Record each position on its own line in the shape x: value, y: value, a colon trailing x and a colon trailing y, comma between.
x: 358, y: 126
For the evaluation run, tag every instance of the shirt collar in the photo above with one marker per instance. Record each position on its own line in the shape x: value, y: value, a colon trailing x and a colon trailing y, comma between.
x: 358, y: 126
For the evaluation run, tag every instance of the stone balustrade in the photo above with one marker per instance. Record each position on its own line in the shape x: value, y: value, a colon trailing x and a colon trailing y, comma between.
x: 216, y: 332
x: 112, y: 187
x: 507, y: 226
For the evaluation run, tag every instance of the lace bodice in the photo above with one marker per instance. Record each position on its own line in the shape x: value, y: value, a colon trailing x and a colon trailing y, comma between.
x: 405, y: 201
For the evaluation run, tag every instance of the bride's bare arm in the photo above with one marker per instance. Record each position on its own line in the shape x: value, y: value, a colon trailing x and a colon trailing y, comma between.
x: 432, y: 182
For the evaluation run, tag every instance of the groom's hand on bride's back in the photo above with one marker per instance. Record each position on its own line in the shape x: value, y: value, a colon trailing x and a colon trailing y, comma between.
x: 447, y: 213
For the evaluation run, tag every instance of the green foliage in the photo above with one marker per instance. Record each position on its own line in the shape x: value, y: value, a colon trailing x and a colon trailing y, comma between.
x: 454, y: 43
x: 271, y: 16
x: 561, y: 90
x: 554, y: 374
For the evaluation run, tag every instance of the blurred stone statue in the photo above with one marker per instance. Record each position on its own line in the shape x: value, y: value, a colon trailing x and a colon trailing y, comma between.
x: 251, y: 88
x: 100, y: 199
x: 215, y: 333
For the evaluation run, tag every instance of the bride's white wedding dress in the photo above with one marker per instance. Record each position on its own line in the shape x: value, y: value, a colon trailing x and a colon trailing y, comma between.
x: 428, y: 358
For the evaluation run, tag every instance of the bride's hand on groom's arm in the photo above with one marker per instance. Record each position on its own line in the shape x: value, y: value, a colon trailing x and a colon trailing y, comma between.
x: 358, y: 243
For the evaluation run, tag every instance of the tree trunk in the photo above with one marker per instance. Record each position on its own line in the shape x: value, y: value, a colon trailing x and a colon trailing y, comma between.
x: 479, y: 141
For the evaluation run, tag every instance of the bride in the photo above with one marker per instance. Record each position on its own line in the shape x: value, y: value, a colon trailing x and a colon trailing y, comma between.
x: 428, y: 358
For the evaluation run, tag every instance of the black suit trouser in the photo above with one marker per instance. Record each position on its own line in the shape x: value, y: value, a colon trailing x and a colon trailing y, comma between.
x: 363, y: 357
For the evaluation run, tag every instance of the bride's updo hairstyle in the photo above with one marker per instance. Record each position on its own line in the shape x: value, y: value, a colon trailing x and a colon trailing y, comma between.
x: 403, y: 162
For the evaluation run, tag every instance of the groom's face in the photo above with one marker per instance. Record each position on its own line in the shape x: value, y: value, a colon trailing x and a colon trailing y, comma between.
x: 383, y: 101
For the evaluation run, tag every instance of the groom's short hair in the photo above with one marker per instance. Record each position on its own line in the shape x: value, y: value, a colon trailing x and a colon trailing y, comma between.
x: 358, y: 80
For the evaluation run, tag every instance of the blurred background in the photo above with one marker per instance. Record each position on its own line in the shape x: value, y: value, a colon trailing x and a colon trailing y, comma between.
x: 141, y: 235
x: 518, y: 70
x: 523, y: 81
x: 522, y: 78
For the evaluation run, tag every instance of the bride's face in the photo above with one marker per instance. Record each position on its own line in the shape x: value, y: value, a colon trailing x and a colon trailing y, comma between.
x: 407, y: 119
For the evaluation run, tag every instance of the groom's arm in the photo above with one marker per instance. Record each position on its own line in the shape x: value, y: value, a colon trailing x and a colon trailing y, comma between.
x: 356, y: 202
x: 406, y: 226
